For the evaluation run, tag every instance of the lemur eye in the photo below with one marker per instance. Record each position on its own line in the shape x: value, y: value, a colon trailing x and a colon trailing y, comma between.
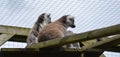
x: 42, y: 16
x: 71, y: 19
x: 48, y: 15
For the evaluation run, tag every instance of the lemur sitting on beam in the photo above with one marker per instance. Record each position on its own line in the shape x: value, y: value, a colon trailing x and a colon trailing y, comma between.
x: 42, y: 21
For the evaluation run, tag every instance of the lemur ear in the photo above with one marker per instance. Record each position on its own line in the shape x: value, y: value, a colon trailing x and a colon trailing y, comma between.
x: 40, y: 18
x: 49, y: 14
x: 64, y: 19
x: 43, y: 15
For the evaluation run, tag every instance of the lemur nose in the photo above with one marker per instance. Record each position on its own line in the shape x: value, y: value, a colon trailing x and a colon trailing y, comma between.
x: 73, y: 26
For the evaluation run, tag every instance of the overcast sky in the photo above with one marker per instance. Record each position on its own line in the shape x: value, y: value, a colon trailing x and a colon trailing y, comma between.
x: 89, y: 14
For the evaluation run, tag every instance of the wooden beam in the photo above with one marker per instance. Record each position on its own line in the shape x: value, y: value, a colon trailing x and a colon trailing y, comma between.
x: 111, y: 42
x: 18, y: 51
x: 14, y: 30
x: 113, y: 49
x: 4, y: 38
x: 79, y: 37
x: 65, y: 49
x: 105, y: 44
x: 8, y: 52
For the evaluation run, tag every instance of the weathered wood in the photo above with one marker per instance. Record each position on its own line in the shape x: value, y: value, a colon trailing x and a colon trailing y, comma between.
x: 111, y: 42
x: 113, y: 49
x: 14, y: 30
x: 39, y: 54
x: 17, y: 49
x: 4, y: 38
x: 105, y: 44
x: 64, y: 53
x: 79, y: 37
x: 65, y: 50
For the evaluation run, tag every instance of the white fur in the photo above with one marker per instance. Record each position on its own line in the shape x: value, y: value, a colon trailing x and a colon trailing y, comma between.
x: 42, y: 25
x: 36, y: 40
x: 45, y: 16
x: 46, y: 20
x: 68, y: 18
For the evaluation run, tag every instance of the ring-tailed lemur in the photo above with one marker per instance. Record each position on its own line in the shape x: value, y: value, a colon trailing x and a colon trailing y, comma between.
x: 56, y: 29
x: 42, y: 21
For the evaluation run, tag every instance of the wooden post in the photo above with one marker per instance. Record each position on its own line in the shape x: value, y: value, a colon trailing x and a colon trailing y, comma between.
x: 4, y: 38
x: 14, y: 30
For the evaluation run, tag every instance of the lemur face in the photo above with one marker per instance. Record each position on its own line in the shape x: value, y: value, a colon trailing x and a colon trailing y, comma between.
x: 46, y: 18
x: 70, y: 21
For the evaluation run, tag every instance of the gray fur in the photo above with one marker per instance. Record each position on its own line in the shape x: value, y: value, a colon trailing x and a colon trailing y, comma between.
x: 42, y: 21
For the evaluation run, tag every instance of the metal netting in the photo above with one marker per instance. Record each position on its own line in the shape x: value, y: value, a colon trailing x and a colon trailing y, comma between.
x: 89, y: 14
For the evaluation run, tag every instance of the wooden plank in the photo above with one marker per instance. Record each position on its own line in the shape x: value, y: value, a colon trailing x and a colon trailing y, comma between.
x: 105, y: 44
x: 14, y: 30
x: 69, y: 52
x: 65, y: 49
x: 38, y: 54
x: 113, y: 49
x: 4, y: 38
x: 79, y: 37
x: 17, y: 49
x: 111, y: 42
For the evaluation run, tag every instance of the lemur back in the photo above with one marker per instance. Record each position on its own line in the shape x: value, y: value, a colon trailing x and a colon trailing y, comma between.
x: 56, y: 29
x: 51, y: 31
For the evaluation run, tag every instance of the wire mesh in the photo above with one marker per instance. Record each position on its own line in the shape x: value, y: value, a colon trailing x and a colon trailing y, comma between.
x: 89, y: 14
